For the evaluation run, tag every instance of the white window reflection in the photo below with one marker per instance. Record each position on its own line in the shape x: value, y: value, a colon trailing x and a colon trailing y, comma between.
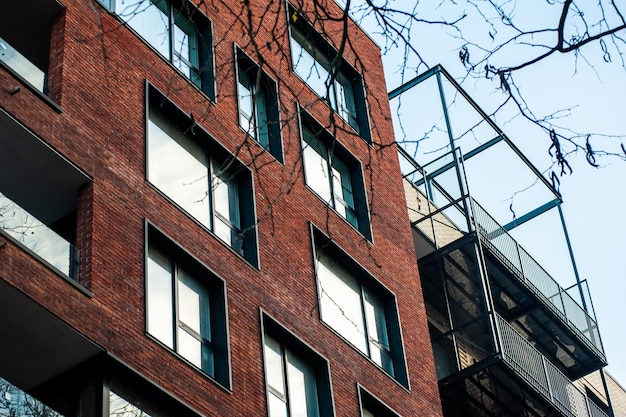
x: 291, y: 382
x: 184, y: 171
x: 36, y: 236
x: 150, y: 19
x: 120, y: 407
x: 178, y: 310
x: 171, y: 33
x: 21, y: 65
x: 253, y: 97
x: 313, y: 66
x: 178, y: 167
x: 353, y: 311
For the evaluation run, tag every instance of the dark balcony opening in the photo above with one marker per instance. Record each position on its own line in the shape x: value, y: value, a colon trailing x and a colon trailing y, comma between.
x: 25, y: 33
x: 39, y: 195
x: 37, y: 348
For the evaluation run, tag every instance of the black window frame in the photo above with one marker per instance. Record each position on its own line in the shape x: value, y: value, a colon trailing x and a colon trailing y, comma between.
x: 268, y: 108
x: 374, y: 405
x: 272, y: 328
x: 216, y: 286
x: 311, y: 129
x: 230, y: 167
x: 325, y: 55
x: 322, y: 244
x: 205, y: 70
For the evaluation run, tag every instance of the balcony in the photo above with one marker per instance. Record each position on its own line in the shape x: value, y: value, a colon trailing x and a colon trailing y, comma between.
x: 40, y: 192
x: 529, y: 273
x: 35, y: 236
x: 27, y: 54
x: 516, y: 380
x: 459, y: 236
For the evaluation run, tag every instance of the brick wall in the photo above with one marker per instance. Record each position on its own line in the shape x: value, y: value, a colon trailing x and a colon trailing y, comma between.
x: 98, y: 73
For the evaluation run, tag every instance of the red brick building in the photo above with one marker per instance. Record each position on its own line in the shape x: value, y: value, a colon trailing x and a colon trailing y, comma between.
x: 201, y: 214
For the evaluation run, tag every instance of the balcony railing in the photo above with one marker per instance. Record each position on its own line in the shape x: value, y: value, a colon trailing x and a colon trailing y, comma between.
x: 542, y: 375
x: 22, y: 66
x: 15, y: 402
x: 37, y: 237
x: 529, y: 272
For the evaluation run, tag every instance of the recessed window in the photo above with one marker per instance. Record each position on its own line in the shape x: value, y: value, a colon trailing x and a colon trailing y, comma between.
x: 372, y: 407
x: 359, y: 308
x: 185, y: 306
x: 258, y: 105
x: 334, y: 175
x: 178, y: 31
x: 296, y: 378
x: 200, y: 176
x: 332, y: 78
x: 120, y: 407
x: 27, y: 55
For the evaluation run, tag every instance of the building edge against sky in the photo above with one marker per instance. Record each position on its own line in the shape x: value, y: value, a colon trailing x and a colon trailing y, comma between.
x: 508, y: 339
x: 179, y: 240
x: 191, y: 226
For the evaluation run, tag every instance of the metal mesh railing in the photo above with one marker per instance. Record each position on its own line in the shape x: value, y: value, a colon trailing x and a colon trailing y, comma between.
x: 535, y: 277
x: 542, y: 375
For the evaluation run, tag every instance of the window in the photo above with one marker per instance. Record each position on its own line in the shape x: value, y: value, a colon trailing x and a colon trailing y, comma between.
x: 372, y: 407
x: 120, y: 407
x: 258, y: 105
x: 15, y: 402
x: 185, y: 306
x: 28, y: 56
x: 296, y: 378
x: 175, y: 29
x: 39, y: 199
x: 334, y: 175
x: 200, y: 176
x: 359, y: 308
x: 312, y: 60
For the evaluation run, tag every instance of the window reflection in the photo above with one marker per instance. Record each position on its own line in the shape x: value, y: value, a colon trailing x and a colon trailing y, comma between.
x: 179, y: 310
x: 319, y: 163
x: 353, y: 311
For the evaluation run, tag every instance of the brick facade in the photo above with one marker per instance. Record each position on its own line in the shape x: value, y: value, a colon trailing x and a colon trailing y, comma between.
x: 97, y: 72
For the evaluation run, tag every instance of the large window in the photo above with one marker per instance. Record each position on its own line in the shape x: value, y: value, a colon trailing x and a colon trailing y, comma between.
x: 26, y: 54
x: 200, y: 177
x: 175, y: 29
x: 372, y: 407
x: 296, y: 378
x: 334, y: 175
x: 185, y: 306
x: 258, y: 105
x: 340, y: 86
x: 359, y: 308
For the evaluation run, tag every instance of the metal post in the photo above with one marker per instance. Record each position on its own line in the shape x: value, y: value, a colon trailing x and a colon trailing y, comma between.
x: 571, y: 255
x: 607, y: 392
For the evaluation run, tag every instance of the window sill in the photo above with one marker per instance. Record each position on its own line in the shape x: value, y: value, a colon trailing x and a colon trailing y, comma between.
x: 329, y: 206
x: 225, y: 387
x: 204, y: 227
x: 344, y: 121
